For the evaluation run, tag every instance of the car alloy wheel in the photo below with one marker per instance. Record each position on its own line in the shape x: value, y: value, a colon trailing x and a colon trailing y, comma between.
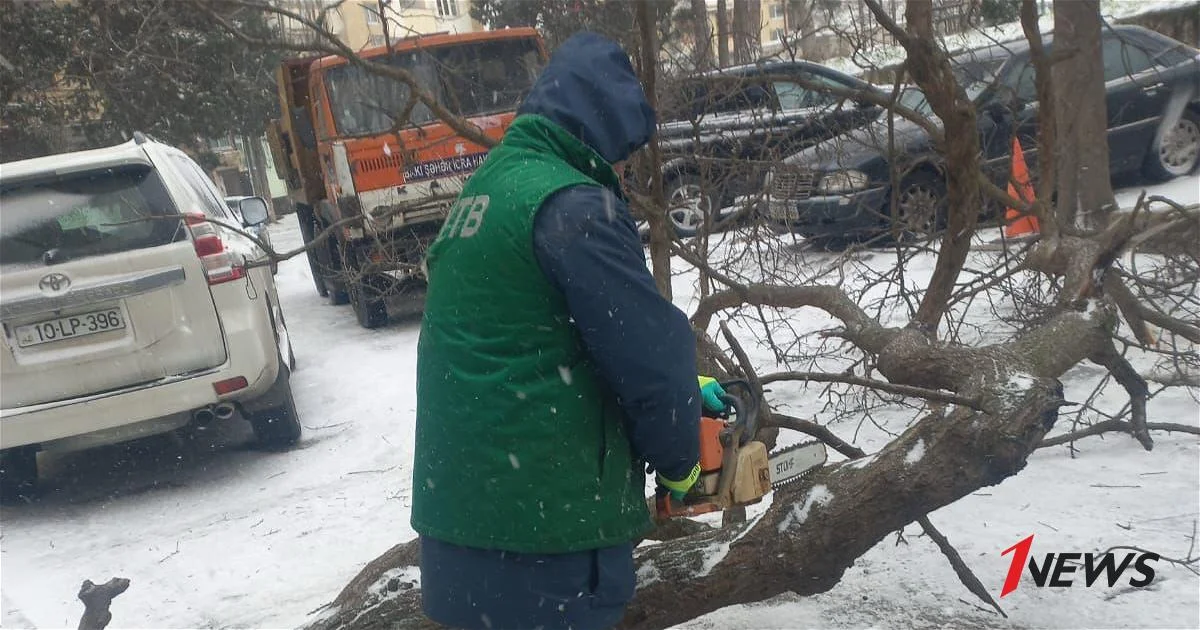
x: 688, y: 208
x: 920, y: 206
x: 1180, y: 147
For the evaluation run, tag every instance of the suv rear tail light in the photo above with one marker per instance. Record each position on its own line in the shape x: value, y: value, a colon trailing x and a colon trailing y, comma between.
x: 219, y: 265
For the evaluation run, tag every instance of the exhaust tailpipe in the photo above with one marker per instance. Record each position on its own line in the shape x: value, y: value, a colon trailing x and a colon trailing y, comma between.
x: 203, y: 416
x: 223, y: 411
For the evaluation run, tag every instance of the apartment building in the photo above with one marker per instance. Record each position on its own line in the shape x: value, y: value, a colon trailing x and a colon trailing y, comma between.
x: 819, y: 29
x: 363, y: 23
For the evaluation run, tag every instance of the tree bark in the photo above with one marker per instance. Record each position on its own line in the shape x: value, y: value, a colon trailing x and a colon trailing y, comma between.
x: 722, y: 33
x: 702, y: 33
x: 660, y: 238
x: 1085, y: 195
x: 96, y: 600
x: 747, y: 30
x: 1047, y: 117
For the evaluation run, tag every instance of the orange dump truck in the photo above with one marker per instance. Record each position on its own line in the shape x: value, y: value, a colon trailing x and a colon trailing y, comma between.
x: 375, y: 168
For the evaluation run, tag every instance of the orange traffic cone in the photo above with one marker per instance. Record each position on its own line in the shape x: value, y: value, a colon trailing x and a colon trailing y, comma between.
x: 1017, y: 223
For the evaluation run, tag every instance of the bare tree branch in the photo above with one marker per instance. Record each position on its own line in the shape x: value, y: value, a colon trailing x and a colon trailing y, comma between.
x: 904, y: 390
x: 1117, y: 426
x: 96, y: 601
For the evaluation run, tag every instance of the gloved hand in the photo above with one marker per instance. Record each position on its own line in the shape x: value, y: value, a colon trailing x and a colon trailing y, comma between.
x: 679, y: 489
x: 711, y: 393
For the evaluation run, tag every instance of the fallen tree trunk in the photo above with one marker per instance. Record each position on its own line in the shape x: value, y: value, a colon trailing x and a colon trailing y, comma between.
x: 816, y: 530
x: 808, y: 537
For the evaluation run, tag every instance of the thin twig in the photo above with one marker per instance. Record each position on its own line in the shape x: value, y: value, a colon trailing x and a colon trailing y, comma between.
x: 378, y: 470
x: 1120, y: 426
x: 964, y: 573
x: 904, y: 390
x: 823, y: 434
x: 172, y: 554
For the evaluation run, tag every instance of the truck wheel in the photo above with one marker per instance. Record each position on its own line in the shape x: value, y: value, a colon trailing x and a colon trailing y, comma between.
x: 277, y: 426
x: 367, y: 296
x: 308, y: 229
x: 18, y: 474
x: 338, y: 290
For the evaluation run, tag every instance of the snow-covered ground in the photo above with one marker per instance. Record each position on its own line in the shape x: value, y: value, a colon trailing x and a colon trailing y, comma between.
x: 214, y: 535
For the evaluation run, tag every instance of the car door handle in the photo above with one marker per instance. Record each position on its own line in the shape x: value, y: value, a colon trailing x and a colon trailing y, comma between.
x: 1154, y: 88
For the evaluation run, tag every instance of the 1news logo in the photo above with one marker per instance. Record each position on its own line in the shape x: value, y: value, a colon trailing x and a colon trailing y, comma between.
x: 1056, y: 569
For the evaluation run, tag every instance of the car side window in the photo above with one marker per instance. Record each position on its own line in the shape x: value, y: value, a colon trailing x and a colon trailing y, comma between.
x: 790, y: 95
x: 213, y: 205
x: 794, y: 96
x: 1123, y: 58
x: 1026, y: 82
x: 819, y: 98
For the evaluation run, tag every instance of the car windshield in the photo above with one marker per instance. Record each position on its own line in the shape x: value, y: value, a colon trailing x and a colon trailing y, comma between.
x: 976, y: 75
x: 86, y: 214
x: 476, y: 79
x: 914, y: 99
x: 697, y: 97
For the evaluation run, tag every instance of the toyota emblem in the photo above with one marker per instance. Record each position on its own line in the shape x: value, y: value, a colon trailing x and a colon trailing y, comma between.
x: 54, y: 283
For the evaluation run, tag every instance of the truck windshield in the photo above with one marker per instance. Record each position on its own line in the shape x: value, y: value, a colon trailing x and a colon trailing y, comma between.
x: 475, y: 79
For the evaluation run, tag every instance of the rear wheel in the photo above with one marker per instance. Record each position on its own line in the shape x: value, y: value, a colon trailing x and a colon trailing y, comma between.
x: 308, y: 229
x: 18, y: 474
x: 367, y: 296
x: 1178, y: 151
x: 339, y: 291
x: 276, y: 424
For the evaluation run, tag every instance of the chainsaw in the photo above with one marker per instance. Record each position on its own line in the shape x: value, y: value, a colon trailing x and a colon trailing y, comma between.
x: 735, y: 469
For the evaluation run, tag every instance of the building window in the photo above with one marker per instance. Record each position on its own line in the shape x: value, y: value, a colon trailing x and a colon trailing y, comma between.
x: 372, y: 14
x: 223, y: 143
x: 447, y: 8
x: 375, y: 40
x: 776, y: 10
x: 777, y: 35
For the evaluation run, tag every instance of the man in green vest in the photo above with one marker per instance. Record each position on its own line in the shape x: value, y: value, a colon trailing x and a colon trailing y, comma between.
x: 550, y: 373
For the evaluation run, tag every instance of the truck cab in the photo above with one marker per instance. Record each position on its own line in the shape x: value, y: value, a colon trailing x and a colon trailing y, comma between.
x: 372, y: 163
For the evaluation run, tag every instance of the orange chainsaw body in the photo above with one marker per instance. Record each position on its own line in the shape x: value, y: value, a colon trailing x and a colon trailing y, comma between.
x: 733, y: 469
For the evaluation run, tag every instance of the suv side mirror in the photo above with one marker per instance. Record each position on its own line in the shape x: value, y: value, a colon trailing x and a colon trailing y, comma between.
x: 254, y: 211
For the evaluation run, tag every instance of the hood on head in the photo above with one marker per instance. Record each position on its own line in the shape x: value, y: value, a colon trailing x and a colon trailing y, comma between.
x: 589, y: 88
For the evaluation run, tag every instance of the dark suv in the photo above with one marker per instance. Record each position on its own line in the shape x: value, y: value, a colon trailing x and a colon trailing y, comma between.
x: 720, y: 131
x: 842, y: 187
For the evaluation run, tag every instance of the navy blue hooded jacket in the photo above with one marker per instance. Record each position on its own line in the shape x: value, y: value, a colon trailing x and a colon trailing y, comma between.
x: 587, y: 243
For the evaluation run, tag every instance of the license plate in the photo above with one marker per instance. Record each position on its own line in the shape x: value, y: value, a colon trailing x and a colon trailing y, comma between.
x: 80, y: 325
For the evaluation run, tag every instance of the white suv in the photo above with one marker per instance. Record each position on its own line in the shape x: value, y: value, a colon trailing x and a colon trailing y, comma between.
x: 128, y: 310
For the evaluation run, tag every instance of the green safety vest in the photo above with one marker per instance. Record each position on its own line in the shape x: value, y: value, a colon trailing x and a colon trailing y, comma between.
x: 520, y: 444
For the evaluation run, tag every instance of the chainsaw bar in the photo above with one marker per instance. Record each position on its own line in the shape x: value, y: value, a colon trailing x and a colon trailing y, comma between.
x: 793, y: 463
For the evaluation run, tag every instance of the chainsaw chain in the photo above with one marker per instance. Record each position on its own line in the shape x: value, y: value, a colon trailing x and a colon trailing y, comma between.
x: 801, y: 476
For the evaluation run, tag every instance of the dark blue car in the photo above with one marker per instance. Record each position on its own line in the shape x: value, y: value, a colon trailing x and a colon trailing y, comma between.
x: 841, y: 188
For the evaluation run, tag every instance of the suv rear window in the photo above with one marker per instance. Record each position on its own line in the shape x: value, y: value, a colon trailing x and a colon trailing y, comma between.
x: 85, y: 214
